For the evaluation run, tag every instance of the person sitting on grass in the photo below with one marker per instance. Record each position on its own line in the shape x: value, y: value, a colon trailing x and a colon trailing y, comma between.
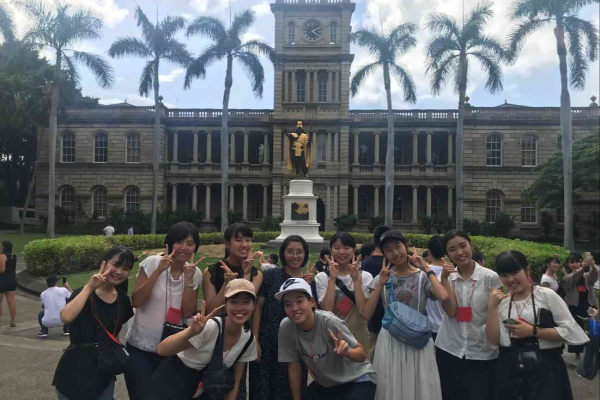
x: 53, y: 301
x: 270, y: 263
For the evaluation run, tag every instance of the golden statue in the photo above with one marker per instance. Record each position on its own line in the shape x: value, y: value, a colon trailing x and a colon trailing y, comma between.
x: 299, y: 159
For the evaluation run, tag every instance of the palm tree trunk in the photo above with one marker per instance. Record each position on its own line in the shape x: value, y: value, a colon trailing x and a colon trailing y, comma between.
x: 156, y: 163
x: 389, y: 155
x: 53, y: 129
x: 28, y: 197
x: 567, y: 141
x: 225, y: 146
x: 460, y: 127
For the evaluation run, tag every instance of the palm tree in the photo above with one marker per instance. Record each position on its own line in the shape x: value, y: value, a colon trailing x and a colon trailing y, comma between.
x: 448, y: 54
x: 227, y: 44
x: 58, y: 29
x: 158, y: 43
x: 582, y: 47
x: 386, y: 48
x: 7, y: 26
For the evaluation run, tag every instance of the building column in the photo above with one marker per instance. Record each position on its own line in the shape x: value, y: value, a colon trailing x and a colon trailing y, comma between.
x: 286, y: 81
x: 336, y: 147
x: 231, y: 197
x: 355, y: 205
x: 306, y: 85
x: 429, y: 147
x: 175, y: 145
x: 356, y: 133
x: 376, y: 201
x: 314, y: 138
x: 286, y: 150
x: 209, y: 147
x: 329, y: 87
x: 450, y: 201
x: 266, y: 148
x: 328, y: 148
x: 335, y: 201
x: 316, y: 85
x: 232, y: 147
x: 294, y: 98
x: 450, y: 148
x: 245, y: 201
x: 194, y: 196
x: 207, y: 202
x: 195, y: 149
x: 377, y: 136
x: 265, y: 200
x: 173, y: 197
x: 415, y: 201
x: 415, y: 148
x: 429, y: 201
x: 328, y: 204
x: 166, y: 147
x: 245, y: 147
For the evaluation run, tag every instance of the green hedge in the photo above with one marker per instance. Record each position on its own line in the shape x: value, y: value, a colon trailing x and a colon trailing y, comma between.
x: 79, y: 253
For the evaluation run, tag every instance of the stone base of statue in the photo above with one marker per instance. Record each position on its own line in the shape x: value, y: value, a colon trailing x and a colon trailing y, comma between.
x: 300, y: 214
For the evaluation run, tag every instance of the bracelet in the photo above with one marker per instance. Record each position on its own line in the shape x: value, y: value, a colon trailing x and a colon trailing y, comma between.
x: 189, y: 286
x: 534, y: 331
x: 429, y: 273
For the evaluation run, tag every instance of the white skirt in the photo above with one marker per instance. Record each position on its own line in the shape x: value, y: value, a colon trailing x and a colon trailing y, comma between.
x: 404, y: 372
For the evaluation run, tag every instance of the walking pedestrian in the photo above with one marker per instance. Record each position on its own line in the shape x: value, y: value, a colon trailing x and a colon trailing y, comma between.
x: 8, y: 280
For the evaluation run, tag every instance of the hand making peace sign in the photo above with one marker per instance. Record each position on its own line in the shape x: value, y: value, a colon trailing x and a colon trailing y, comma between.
x: 341, y: 347
x: 247, y: 263
x: 167, y: 259
x: 199, y: 321
x: 334, y: 268
x: 97, y: 279
x: 385, y: 272
x: 309, y: 275
x: 417, y: 261
x: 354, y: 270
x: 190, y: 268
x: 228, y: 275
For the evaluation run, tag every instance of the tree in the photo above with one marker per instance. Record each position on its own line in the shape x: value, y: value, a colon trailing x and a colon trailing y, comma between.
x: 448, y: 54
x: 158, y: 44
x: 547, y: 191
x: 7, y: 26
x: 582, y: 38
x: 387, y: 48
x: 227, y: 44
x: 57, y: 28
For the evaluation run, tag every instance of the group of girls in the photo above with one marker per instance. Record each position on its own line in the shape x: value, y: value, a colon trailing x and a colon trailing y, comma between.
x: 272, y: 319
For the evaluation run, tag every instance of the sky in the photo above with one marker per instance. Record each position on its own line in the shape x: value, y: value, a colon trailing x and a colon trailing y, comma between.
x: 532, y: 81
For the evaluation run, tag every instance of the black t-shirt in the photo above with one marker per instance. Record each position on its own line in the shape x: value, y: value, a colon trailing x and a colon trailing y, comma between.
x: 217, y: 275
x: 321, y: 266
x: 373, y: 266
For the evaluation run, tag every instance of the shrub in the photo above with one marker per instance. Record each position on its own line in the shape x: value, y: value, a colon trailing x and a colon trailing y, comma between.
x: 472, y: 227
x: 232, y: 218
x: 503, y: 225
x: 270, y: 224
x: 547, y: 224
x: 374, y: 222
x: 437, y: 224
x: 427, y: 224
x: 345, y: 222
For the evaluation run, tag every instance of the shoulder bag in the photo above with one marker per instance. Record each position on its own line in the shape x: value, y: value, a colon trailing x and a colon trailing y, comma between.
x: 113, y: 358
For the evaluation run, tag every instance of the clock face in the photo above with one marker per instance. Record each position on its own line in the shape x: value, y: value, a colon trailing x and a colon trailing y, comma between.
x: 312, y: 30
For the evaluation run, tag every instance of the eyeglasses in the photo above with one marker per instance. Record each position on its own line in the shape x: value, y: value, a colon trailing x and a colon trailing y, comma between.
x: 294, y: 253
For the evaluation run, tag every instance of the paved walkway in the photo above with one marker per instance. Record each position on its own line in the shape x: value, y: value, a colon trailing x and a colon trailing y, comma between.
x: 27, y: 362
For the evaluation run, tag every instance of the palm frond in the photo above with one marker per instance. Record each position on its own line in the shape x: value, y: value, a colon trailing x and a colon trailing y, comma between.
x: 442, y: 70
x: 406, y: 81
x: 197, y: 68
x: 525, y: 9
x: 402, y: 45
x: 102, y: 71
x: 372, y: 40
x: 240, y: 25
x: 439, y: 47
x: 518, y: 36
x: 177, y: 53
x: 129, y: 46
x: 259, y: 47
x: 443, y: 24
x: 400, y: 36
x: 589, y: 31
x: 147, y: 78
x: 476, y: 20
x: 208, y: 26
x: 70, y: 69
x: 487, y: 43
x: 169, y: 26
x: 578, y: 65
x: 492, y: 68
x: 143, y: 22
x: 254, y: 70
x: 575, y: 5
x: 7, y: 26
x: 360, y: 76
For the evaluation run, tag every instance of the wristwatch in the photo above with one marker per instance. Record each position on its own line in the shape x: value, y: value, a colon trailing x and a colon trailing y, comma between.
x: 429, y: 273
x: 534, y: 331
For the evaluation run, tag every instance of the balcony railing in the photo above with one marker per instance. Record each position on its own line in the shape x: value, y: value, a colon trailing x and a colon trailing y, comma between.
x: 235, y: 169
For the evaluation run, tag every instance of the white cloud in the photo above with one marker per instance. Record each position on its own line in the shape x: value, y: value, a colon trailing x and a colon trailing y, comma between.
x: 187, y: 16
x: 261, y: 9
x: 251, y: 36
x: 171, y: 76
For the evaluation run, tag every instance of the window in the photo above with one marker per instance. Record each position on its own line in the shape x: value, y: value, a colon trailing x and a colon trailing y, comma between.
x: 398, y: 208
x: 560, y: 215
x: 322, y: 89
x: 291, y: 33
x: 528, y: 213
x: 101, y: 148
x: 435, y: 205
x: 68, y: 147
x: 363, y: 206
x: 559, y: 143
x: 133, y: 148
x: 493, y: 206
x: 333, y: 37
x: 257, y: 207
x: 494, y: 151
x: 529, y: 151
x: 398, y: 153
x: 300, y: 89
x: 100, y: 202
x: 321, y: 147
x: 132, y: 199
x: 67, y: 198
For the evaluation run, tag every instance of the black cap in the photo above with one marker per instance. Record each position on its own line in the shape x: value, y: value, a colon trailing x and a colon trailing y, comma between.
x: 393, y: 234
x: 51, y: 280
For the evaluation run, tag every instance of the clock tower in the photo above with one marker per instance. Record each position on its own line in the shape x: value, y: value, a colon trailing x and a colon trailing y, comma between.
x: 312, y: 70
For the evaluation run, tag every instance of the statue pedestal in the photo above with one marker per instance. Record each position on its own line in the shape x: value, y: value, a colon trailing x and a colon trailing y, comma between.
x: 300, y: 213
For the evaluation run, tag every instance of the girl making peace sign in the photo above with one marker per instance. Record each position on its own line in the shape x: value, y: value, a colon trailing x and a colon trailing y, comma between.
x: 77, y: 375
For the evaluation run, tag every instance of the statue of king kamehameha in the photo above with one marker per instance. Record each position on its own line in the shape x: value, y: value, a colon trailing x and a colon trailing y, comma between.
x: 299, y: 159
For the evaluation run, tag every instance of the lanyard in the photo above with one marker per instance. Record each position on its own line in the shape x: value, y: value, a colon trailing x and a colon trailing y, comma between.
x: 98, y: 319
x: 470, y: 297
x: 532, y: 303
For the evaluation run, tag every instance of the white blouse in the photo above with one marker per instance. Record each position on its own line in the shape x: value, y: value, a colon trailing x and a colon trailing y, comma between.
x: 550, y: 281
x: 546, y: 298
x: 145, y: 328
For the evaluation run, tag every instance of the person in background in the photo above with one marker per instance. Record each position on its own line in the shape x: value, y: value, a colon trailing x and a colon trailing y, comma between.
x: 270, y: 263
x: 130, y: 231
x: 366, y: 250
x: 479, y: 258
x: 8, y: 280
x: 465, y: 357
x: 517, y: 322
x: 435, y: 312
x: 549, y: 278
x: 53, y: 301
x: 322, y: 342
x: 321, y: 265
x: 108, y: 229
x: 596, y: 256
x: 578, y: 282
x: 426, y: 256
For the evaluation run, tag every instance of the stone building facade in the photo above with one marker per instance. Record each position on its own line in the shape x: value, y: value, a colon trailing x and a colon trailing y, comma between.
x: 104, y: 154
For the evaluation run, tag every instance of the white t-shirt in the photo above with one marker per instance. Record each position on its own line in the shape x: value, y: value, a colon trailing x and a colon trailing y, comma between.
x: 597, y: 284
x: 145, y: 328
x: 53, y: 299
x: 109, y: 230
x: 552, y: 282
x: 198, y: 356
x: 322, y: 280
x: 435, y: 312
x: 267, y: 266
x: 130, y: 231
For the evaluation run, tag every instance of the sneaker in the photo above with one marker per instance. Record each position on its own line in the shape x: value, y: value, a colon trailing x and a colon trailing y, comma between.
x: 66, y: 333
x: 43, y: 333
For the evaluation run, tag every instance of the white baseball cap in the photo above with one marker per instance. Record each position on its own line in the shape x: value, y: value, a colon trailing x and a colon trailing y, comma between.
x: 293, y: 285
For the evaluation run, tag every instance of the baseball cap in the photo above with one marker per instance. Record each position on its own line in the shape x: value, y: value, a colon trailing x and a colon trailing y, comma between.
x: 393, y: 234
x: 51, y: 280
x: 293, y: 285
x: 236, y: 286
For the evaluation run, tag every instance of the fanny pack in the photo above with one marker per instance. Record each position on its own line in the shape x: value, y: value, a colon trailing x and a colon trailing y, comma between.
x: 345, y: 305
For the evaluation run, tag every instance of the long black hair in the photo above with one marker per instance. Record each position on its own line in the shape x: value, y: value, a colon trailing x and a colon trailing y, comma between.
x: 511, y: 261
x: 7, y: 247
x: 285, y: 244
